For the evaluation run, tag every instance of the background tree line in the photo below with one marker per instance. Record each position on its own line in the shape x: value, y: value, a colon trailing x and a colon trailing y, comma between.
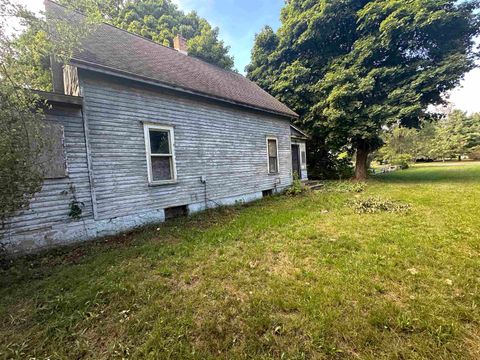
x: 157, y: 20
x: 160, y: 21
x: 454, y: 136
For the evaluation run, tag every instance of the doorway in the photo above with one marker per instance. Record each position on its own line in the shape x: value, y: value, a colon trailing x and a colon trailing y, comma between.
x: 296, y: 160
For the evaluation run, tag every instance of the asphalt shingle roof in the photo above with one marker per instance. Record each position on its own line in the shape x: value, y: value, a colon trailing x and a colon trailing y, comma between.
x: 120, y: 51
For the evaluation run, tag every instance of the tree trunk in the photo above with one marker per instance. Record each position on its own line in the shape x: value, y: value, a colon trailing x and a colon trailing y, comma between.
x: 361, y: 161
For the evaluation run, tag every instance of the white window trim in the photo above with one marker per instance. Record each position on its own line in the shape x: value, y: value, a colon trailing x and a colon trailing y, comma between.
x: 173, y: 170
x: 268, y: 156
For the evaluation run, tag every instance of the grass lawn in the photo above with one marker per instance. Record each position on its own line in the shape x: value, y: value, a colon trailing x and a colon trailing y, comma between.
x: 282, y: 278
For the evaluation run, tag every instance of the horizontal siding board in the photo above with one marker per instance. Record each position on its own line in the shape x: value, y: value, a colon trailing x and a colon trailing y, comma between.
x: 223, y: 143
x: 50, y: 206
x: 227, y: 144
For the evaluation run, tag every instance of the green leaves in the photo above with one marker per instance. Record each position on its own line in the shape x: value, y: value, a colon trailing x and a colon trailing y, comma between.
x: 20, y: 127
x: 452, y: 136
x: 350, y: 68
x: 161, y: 21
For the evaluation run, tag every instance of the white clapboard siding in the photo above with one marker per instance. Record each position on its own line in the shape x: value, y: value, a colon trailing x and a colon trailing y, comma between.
x: 226, y: 144
x: 46, y: 220
x: 222, y: 142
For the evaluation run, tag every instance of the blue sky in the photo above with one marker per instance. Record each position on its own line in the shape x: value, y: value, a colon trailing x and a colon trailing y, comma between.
x: 238, y: 20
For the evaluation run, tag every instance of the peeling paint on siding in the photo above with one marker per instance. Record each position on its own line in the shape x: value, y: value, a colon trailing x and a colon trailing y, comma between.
x: 223, y: 144
x: 46, y: 221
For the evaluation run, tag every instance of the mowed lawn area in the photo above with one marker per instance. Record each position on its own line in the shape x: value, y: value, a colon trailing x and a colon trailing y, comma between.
x: 283, y: 278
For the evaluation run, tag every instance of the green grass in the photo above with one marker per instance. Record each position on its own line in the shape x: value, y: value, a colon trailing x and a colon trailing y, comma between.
x: 292, y: 278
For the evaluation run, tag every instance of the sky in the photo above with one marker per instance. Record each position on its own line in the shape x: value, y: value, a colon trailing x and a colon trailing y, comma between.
x: 240, y: 20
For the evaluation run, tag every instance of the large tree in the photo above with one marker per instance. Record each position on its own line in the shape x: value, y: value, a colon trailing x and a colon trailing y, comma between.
x: 351, y: 67
x: 161, y: 21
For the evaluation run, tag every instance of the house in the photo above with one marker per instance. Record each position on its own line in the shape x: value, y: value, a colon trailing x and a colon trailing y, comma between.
x: 144, y: 132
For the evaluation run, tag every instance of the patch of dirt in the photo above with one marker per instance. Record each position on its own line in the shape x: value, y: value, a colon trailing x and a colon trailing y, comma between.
x: 75, y: 256
x: 279, y: 264
x: 188, y: 284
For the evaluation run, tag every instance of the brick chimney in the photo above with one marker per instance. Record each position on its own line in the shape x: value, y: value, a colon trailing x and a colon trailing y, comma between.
x: 180, y: 44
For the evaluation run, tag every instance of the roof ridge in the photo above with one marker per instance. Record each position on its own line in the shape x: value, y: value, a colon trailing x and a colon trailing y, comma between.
x: 162, y: 67
x: 146, y: 39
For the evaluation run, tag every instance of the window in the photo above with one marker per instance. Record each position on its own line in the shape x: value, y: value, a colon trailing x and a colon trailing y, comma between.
x: 52, y: 159
x: 159, y: 143
x: 272, y: 154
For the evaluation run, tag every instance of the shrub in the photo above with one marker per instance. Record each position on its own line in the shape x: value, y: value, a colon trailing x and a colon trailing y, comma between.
x: 377, y: 204
x: 402, y: 160
x: 330, y: 167
x: 297, y: 187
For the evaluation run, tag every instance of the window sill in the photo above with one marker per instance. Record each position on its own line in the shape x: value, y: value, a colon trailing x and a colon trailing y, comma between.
x: 274, y: 174
x: 161, y: 183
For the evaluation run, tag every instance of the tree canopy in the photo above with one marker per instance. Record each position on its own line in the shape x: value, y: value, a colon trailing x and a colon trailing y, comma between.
x: 351, y: 67
x: 161, y: 21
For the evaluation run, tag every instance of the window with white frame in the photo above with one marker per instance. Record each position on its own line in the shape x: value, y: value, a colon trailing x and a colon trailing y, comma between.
x: 272, y: 155
x: 159, y: 143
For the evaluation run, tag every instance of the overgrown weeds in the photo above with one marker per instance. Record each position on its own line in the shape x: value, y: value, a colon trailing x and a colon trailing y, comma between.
x: 377, y: 204
x: 5, y: 259
x: 297, y: 188
x: 265, y: 280
x: 344, y: 186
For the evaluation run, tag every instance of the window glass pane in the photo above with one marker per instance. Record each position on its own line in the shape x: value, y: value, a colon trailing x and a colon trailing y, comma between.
x: 161, y: 168
x: 272, y: 148
x: 159, y: 142
x: 272, y: 165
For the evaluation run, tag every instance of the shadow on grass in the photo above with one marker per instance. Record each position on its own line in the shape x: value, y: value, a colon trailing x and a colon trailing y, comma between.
x: 448, y: 173
x: 176, y: 233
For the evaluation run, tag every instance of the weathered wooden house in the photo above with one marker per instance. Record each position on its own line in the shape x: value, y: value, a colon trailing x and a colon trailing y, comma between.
x: 145, y: 132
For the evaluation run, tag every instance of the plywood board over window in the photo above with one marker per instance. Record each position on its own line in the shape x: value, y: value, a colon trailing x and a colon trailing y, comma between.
x: 52, y: 158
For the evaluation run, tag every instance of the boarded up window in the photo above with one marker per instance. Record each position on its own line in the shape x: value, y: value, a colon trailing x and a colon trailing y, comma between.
x: 52, y: 157
x: 272, y: 155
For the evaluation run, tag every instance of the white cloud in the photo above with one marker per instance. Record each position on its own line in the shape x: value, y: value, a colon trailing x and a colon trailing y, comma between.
x: 12, y: 24
x: 466, y: 97
x: 199, y: 6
